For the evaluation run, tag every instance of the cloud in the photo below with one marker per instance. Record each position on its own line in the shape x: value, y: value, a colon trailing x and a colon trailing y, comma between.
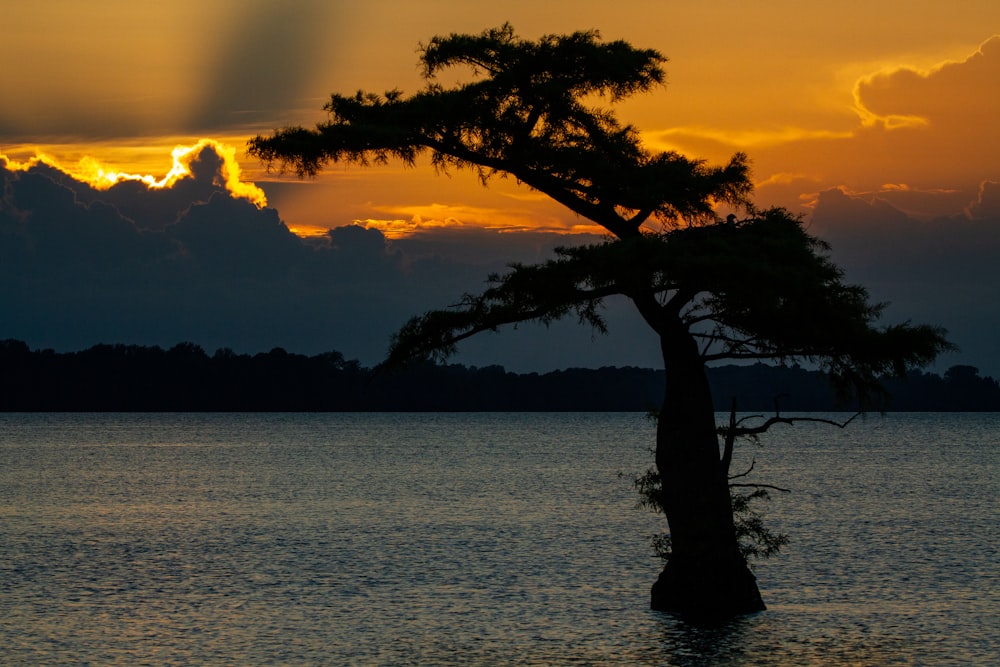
x: 140, y: 264
x: 930, y: 132
x: 987, y: 204
x: 198, y: 171
x: 949, y: 94
x: 748, y: 139
x: 409, y: 219
x: 487, y: 247
x: 942, y: 271
x: 192, y: 262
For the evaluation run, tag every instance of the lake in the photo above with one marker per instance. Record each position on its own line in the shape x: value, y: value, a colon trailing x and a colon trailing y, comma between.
x: 476, y: 539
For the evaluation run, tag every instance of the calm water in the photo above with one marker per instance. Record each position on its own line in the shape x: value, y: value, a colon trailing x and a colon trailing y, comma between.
x: 483, y: 539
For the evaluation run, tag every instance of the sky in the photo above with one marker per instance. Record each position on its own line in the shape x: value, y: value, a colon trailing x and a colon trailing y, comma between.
x: 130, y: 211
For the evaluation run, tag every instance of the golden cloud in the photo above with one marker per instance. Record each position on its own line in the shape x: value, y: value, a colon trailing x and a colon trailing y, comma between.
x: 411, y: 219
x: 679, y: 137
x: 947, y: 93
x: 99, y: 176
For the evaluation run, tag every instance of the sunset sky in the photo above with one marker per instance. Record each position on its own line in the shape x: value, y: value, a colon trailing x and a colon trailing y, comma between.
x: 876, y: 120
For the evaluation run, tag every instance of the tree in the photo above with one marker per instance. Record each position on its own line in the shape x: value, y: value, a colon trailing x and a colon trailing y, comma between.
x: 753, y: 288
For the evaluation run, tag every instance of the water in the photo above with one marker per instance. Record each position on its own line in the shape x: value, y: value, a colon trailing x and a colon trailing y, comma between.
x: 474, y: 539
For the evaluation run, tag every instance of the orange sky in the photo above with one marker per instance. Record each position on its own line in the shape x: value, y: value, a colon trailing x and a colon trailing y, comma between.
x: 879, y: 98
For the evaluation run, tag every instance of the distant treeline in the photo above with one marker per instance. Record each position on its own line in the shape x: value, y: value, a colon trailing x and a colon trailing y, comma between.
x: 186, y: 378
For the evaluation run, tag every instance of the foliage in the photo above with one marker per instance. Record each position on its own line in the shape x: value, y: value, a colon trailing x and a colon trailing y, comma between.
x: 759, y: 288
x: 755, y: 540
x: 525, y: 114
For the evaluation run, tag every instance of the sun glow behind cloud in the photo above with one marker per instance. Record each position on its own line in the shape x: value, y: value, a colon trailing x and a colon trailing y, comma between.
x: 880, y: 94
x: 93, y: 172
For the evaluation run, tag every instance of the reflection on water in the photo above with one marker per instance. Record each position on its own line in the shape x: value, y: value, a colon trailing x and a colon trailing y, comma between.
x: 473, y: 539
x: 801, y: 637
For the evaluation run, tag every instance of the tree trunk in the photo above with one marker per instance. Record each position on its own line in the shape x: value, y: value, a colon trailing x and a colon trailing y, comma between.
x: 705, y: 577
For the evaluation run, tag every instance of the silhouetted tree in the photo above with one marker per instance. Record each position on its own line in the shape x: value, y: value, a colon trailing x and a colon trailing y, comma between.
x: 752, y: 288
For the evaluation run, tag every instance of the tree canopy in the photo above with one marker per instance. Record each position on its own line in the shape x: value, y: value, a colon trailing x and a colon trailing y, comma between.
x: 756, y: 289
x: 524, y: 114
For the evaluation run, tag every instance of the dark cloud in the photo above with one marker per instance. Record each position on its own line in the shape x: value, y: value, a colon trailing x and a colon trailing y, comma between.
x: 80, y: 266
x: 129, y: 264
x: 357, y: 243
x: 474, y: 245
x: 987, y: 204
x: 942, y: 271
x: 151, y: 208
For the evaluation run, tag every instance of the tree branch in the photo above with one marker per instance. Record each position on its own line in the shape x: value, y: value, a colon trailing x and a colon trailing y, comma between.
x: 777, y: 419
x: 746, y: 472
x: 759, y: 486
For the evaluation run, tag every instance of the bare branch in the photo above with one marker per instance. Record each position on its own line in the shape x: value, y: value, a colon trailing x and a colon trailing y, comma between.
x: 760, y: 486
x: 753, y: 462
x: 748, y: 418
x: 763, y: 428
